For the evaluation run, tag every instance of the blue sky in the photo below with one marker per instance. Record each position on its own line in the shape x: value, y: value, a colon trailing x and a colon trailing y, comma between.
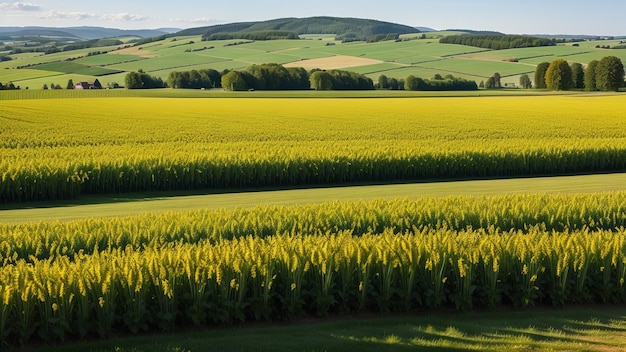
x: 600, y: 17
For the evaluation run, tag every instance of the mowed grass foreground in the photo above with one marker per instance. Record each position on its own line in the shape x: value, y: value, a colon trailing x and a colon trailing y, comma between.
x: 57, y: 149
x: 582, y: 329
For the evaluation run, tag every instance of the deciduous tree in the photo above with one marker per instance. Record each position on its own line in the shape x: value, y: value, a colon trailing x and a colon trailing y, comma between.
x: 559, y: 75
x: 540, y: 75
x: 524, y: 81
x: 590, y: 76
x: 610, y: 74
x: 578, y: 75
x: 233, y: 81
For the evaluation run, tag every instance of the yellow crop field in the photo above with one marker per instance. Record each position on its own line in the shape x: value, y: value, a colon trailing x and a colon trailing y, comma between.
x: 157, y: 271
x: 54, y: 149
x: 61, y: 280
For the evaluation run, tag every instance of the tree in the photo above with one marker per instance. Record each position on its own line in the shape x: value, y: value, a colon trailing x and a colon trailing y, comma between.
x: 610, y: 74
x: 559, y: 75
x: 578, y: 75
x: 491, y: 83
x: 524, y: 81
x: 321, y: 80
x: 393, y: 84
x: 45, y: 86
x: 70, y: 84
x: 590, y: 76
x: 415, y: 83
x: 383, y: 82
x: 234, y: 81
x: 496, y: 80
x: 138, y: 80
x: 412, y: 83
x: 540, y: 75
x: 133, y: 80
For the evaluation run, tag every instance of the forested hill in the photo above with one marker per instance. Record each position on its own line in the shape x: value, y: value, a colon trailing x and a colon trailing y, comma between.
x: 342, y: 27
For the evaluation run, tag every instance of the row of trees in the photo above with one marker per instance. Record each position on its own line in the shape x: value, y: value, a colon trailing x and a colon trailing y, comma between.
x: 195, y: 79
x: 497, y: 41
x: 448, y: 82
x: 256, y: 35
x: 8, y: 86
x: 604, y: 75
x: 142, y: 80
x: 278, y: 77
x: 269, y: 77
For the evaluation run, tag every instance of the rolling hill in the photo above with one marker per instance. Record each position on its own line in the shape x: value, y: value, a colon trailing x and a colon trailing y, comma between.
x: 359, y: 28
x: 85, y: 33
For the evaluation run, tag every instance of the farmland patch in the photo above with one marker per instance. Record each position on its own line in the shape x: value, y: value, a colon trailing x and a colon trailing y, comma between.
x: 334, y: 62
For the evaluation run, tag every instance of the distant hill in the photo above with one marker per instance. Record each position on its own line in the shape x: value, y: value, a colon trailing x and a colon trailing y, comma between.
x: 354, y: 28
x: 84, y: 33
x: 34, y: 32
x: 572, y: 37
x: 425, y: 29
x: 472, y: 31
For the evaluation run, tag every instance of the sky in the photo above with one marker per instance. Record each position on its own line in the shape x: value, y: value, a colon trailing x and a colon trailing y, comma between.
x: 598, y: 17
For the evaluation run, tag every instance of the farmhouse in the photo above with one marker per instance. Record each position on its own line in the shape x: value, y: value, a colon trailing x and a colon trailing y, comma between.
x: 89, y: 85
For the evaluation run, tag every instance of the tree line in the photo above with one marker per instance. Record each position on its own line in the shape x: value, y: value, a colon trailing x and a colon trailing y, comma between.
x: 606, y: 75
x: 439, y: 83
x: 142, y: 80
x: 8, y: 86
x: 277, y: 77
x: 264, y: 77
x: 497, y: 41
x: 257, y: 35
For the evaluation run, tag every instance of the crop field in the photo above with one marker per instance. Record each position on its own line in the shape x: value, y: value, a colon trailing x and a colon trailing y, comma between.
x: 51, y: 150
x: 419, y: 57
x: 93, y: 276
x: 150, y: 272
x: 107, y: 60
x: 72, y: 67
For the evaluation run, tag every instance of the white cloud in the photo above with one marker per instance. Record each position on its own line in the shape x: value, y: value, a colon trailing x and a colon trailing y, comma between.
x: 203, y: 20
x: 124, y: 17
x: 56, y: 15
x: 20, y: 6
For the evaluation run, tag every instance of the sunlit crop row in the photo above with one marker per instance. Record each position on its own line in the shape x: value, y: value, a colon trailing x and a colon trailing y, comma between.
x: 43, y: 240
x: 285, y: 276
x: 54, y: 149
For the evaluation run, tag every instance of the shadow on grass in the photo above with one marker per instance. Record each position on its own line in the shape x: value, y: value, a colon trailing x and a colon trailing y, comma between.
x: 600, y: 328
x: 112, y: 198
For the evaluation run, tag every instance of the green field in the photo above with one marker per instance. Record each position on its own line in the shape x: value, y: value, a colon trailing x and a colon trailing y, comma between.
x: 419, y: 57
x: 72, y: 67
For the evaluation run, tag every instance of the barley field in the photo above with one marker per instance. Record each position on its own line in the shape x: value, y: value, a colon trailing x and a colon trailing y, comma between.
x: 62, y: 148
x: 91, y: 277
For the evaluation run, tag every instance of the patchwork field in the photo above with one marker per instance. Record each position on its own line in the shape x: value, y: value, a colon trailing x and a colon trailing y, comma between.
x: 334, y: 62
x: 419, y: 57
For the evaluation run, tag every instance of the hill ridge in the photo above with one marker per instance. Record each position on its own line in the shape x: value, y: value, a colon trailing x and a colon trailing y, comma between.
x: 340, y: 26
